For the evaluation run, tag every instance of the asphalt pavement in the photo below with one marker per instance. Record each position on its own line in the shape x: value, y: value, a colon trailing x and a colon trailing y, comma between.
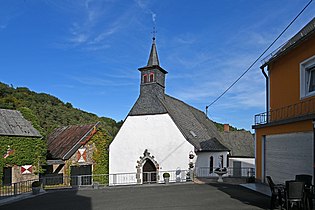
x: 159, y: 196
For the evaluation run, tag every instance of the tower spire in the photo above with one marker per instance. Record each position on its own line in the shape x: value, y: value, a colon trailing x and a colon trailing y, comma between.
x: 153, y: 58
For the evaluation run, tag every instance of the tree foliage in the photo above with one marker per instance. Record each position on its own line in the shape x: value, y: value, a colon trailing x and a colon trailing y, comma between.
x: 50, y: 111
x: 46, y: 113
x: 220, y: 127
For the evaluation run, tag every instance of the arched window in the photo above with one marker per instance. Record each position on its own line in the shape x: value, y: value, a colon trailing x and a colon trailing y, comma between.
x: 145, y: 78
x: 152, y: 77
x: 221, y: 159
x: 211, y: 165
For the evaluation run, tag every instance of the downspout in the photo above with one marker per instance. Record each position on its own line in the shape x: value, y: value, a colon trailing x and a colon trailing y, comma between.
x: 267, y: 93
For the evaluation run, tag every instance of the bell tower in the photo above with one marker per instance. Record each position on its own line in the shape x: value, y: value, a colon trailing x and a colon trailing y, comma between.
x: 152, y: 75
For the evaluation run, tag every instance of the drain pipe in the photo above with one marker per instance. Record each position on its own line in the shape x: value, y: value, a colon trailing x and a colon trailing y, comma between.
x: 267, y: 92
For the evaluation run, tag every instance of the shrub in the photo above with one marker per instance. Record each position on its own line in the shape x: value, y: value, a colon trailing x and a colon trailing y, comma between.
x: 166, y: 175
x: 36, y: 184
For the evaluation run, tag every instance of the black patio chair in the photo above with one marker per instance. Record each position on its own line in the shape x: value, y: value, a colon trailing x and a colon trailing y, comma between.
x: 307, y: 179
x: 295, y: 194
x: 309, y: 190
x: 277, y: 193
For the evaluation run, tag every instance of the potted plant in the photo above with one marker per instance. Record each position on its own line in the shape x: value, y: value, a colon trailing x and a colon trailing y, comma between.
x: 166, y: 177
x: 36, y: 185
x: 191, y: 165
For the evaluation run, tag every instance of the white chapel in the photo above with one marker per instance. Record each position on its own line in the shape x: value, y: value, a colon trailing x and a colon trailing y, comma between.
x: 163, y: 134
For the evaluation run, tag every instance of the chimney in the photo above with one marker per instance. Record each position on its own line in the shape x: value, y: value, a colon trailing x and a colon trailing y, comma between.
x: 226, y: 127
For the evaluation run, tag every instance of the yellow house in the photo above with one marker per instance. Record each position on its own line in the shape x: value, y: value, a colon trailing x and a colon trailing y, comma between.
x: 285, y: 132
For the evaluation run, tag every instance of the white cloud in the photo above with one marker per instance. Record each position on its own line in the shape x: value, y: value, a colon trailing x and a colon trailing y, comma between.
x: 79, y: 38
x: 103, y: 35
x: 186, y: 39
x: 95, y: 81
x: 144, y: 5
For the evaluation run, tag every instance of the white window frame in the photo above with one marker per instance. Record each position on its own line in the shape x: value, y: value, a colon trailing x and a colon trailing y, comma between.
x: 305, y: 68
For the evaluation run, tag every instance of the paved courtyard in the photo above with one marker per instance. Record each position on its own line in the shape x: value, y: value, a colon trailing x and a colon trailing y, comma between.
x: 173, y: 196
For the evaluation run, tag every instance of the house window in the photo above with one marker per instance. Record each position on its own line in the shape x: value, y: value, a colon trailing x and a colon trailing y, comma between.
x: 152, y: 77
x: 307, y: 77
x: 145, y: 78
x: 311, y: 79
x: 211, y: 165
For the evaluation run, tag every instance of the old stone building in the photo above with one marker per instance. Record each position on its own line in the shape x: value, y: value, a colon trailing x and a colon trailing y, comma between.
x: 18, y: 143
x: 70, y: 153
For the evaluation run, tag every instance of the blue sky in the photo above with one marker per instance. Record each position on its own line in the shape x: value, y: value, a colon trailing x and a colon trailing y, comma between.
x: 87, y: 52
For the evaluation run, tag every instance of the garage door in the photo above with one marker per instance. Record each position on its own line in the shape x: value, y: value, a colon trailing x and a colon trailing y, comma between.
x: 287, y: 155
x: 81, y: 175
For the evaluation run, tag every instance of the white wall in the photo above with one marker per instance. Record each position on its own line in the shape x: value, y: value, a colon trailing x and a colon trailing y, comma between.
x: 203, y: 162
x: 245, y: 162
x: 156, y: 133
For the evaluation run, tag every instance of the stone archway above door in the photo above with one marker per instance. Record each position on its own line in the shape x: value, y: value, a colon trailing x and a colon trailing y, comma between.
x: 146, y: 156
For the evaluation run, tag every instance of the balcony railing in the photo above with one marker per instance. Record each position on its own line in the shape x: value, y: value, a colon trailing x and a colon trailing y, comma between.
x: 303, y: 108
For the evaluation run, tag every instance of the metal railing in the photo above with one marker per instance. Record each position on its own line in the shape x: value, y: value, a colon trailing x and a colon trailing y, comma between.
x: 231, y: 172
x: 16, y: 188
x: 104, y: 180
x: 303, y: 108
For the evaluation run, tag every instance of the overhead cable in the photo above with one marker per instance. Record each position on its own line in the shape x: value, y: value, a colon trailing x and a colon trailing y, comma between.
x: 258, y: 57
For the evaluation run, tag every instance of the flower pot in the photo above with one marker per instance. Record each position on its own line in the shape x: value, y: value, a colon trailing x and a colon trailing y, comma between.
x: 35, y: 190
x: 166, y: 180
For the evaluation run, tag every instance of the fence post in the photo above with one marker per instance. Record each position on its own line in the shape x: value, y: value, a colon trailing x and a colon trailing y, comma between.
x: 44, y: 182
x: 14, y: 188
x: 79, y: 181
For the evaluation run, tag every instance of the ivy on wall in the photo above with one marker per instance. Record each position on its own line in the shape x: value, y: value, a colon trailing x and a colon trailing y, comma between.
x: 25, y: 151
x: 101, y: 141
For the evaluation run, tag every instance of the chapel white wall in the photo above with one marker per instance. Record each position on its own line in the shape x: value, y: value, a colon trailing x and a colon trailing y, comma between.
x: 156, y: 133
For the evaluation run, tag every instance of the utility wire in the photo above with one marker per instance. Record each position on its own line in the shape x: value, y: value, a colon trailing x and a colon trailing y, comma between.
x: 258, y: 57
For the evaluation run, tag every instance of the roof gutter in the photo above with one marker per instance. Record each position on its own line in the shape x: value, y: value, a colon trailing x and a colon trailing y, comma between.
x: 267, y: 92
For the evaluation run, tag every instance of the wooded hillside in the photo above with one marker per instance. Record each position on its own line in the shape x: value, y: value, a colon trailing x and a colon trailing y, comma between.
x: 47, y: 112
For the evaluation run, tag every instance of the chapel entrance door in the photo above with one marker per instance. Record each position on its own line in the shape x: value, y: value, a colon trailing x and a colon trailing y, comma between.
x: 149, y: 172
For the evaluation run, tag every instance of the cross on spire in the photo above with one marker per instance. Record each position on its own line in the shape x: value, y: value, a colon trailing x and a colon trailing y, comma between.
x: 154, y: 32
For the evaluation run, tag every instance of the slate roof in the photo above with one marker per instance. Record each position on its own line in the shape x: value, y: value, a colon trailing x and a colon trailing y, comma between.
x: 147, y: 104
x: 303, y: 34
x: 63, y: 142
x: 241, y: 143
x: 193, y: 124
x: 12, y: 123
